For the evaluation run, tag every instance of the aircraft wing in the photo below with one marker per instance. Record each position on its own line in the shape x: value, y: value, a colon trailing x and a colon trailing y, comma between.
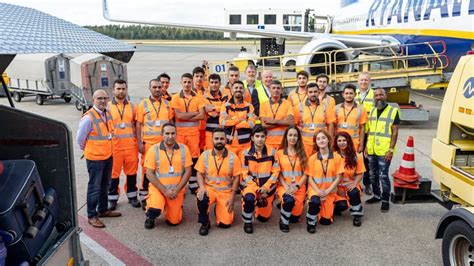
x: 350, y: 40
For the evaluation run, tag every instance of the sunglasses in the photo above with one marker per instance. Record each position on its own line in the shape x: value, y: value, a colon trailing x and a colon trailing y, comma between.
x: 102, y: 98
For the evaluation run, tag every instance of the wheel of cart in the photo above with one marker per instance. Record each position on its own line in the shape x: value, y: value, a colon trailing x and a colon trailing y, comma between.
x: 39, y: 99
x: 67, y: 98
x: 17, y: 96
x: 78, y: 105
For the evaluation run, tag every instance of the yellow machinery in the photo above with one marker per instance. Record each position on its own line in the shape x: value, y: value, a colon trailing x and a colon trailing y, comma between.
x: 453, y: 165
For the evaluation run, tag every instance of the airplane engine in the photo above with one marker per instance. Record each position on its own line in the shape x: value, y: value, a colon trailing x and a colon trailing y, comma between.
x: 324, y: 50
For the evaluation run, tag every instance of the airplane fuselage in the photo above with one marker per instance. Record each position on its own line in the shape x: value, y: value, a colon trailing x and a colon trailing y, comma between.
x: 413, y: 21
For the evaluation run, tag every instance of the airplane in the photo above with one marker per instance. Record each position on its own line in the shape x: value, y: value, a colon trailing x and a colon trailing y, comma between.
x: 365, y: 23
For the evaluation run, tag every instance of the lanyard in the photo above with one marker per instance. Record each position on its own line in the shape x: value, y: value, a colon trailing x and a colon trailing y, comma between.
x: 325, y: 171
x: 189, y: 103
x: 218, y: 167
x: 366, y: 93
x: 121, y: 113
x: 293, y: 165
x: 157, y: 112
x: 101, y: 118
x: 271, y: 108
x: 313, y: 113
x: 170, y: 160
x: 346, y: 115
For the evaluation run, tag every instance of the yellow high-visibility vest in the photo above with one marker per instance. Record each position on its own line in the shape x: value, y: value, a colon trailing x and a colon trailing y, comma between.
x: 380, y: 131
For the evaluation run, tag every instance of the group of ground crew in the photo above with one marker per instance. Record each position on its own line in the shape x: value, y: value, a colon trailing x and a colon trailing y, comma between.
x: 243, y: 138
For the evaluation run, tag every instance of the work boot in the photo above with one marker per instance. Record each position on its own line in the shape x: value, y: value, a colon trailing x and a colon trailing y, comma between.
x: 95, y: 222
x: 368, y: 190
x: 112, y: 205
x: 357, y: 221
x: 204, y: 230
x: 284, y: 227
x: 135, y: 203
x: 311, y: 228
x: 109, y: 214
x: 373, y: 200
x: 144, y: 204
x: 385, y: 206
x: 262, y: 219
x: 149, y: 223
x: 248, y: 228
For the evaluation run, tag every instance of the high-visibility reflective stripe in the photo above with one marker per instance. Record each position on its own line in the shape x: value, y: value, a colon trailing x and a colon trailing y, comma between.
x: 311, y: 219
x: 183, y: 155
x: 246, y: 180
x: 380, y: 134
x: 323, y: 180
x: 168, y: 175
x: 247, y: 217
x: 221, y: 188
x: 356, y: 207
x: 193, y: 185
x: 122, y: 123
x: 96, y: 122
x: 244, y: 136
x: 274, y: 178
x: 276, y: 132
x: 307, y: 134
x: 285, y: 216
x: 212, y: 125
x: 187, y: 124
x: 206, y: 161
x: 124, y: 136
x: 151, y: 123
x: 132, y: 194
x: 152, y: 133
x: 291, y: 173
x: 113, y: 197
x: 217, y: 178
x: 97, y: 138
x: 261, y: 175
x: 315, y: 124
x: 357, y: 213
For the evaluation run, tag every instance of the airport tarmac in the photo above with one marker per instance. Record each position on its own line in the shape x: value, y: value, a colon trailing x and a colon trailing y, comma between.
x: 403, y: 236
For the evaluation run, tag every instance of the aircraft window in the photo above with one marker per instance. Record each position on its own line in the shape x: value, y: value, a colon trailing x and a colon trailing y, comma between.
x: 270, y: 19
x: 252, y: 19
x: 235, y: 19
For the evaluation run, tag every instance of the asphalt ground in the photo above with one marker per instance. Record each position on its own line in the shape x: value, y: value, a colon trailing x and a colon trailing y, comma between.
x: 403, y: 236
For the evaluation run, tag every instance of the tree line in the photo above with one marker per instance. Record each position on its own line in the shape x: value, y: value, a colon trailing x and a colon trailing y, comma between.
x: 139, y: 32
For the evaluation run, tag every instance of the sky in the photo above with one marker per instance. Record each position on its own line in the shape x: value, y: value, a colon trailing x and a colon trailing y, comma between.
x: 209, y: 12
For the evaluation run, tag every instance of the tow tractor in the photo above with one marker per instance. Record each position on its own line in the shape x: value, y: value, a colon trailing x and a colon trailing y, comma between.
x: 453, y: 165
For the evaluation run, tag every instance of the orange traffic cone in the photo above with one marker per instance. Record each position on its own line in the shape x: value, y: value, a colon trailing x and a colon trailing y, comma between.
x: 406, y: 176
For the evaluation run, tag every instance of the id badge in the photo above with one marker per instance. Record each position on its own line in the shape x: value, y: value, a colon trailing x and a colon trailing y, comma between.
x: 122, y: 125
x: 171, y: 170
x: 344, y: 125
x: 377, y: 142
x: 109, y: 137
x: 312, y: 126
x: 218, y: 182
x: 157, y: 123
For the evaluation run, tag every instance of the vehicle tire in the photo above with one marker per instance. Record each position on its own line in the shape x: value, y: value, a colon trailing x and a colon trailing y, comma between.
x: 250, y: 62
x: 78, y: 105
x: 39, y: 100
x: 67, y: 99
x: 17, y: 96
x: 458, y: 244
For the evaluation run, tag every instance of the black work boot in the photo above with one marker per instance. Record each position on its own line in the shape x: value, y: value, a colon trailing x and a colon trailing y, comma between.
x: 311, y: 228
x: 373, y: 200
x: 284, y: 227
x: 149, y: 223
x: 112, y: 205
x: 135, y: 203
x: 204, y: 230
x: 248, y: 228
x: 357, y: 221
x: 385, y: 206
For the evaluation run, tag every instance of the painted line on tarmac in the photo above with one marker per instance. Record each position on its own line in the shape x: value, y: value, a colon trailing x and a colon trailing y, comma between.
x: 111, y: 245
x: 99, y: 250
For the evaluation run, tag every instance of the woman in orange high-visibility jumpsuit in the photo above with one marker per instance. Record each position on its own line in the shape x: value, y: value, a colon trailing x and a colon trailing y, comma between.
x: 291, y: 190
x: 348, y: 191
x: 325, y: 169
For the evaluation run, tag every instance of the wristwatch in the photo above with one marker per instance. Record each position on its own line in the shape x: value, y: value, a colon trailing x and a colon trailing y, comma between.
x: 390, y: 150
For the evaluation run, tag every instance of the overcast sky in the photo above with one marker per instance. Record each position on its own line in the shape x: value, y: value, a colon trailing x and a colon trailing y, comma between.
x: 89, y: 12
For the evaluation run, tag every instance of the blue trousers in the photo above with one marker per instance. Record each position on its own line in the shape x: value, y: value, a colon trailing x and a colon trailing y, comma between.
x: 100, y: 174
